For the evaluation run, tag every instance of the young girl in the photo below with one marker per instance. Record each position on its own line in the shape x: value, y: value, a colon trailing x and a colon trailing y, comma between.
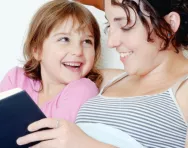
x: 61, y: 49
x: 149, y: 100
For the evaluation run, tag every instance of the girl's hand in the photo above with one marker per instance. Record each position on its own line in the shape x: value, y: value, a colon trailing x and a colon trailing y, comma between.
x: 62, y: 135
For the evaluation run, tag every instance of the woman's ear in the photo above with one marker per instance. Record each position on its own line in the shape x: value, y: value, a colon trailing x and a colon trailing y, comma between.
x: 173, y: 18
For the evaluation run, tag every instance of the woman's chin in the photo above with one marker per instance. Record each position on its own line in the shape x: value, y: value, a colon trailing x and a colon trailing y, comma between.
x: 130, y: 71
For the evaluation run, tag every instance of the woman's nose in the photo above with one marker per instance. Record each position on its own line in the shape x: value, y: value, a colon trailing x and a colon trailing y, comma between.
x: 113, y: 39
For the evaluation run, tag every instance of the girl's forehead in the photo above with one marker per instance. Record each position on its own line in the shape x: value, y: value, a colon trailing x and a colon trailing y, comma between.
x: 69, y: 25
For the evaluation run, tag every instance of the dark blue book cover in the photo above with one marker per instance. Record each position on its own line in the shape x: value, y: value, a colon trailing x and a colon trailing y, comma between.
x: 17, y: 111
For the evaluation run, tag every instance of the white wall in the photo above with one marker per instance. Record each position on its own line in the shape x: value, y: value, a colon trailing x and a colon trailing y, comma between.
x: 14, y: 19
x: 15, y: 16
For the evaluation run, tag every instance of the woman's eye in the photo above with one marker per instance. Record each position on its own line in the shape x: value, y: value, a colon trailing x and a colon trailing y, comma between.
x: 126, y: 28
x: 64, y: 39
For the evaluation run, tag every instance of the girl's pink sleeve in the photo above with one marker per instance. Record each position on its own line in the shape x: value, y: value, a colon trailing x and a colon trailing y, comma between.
x: 82, y: 90
x: 9, y: 81
x: 75, y: 95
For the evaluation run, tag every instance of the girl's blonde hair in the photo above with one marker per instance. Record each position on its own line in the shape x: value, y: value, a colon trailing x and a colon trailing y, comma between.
x: 49, y: 16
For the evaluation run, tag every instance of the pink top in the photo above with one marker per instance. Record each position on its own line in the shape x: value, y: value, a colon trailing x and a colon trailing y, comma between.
x: 65, y: 105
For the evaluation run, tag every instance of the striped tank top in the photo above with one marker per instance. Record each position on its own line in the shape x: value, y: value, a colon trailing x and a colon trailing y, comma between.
x: 155, y: 121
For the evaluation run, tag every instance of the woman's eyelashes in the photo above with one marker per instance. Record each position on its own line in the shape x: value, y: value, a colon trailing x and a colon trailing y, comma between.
x: 125, y: 28
x: 128, y: 26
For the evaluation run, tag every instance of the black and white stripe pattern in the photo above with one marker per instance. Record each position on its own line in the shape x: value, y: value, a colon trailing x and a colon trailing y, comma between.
x: 154, y: 121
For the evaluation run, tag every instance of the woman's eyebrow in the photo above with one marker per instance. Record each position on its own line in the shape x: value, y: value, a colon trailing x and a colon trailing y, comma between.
x: 119, y: 19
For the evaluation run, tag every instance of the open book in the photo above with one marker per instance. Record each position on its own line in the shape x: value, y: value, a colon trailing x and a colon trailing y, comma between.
x: 17, y: 111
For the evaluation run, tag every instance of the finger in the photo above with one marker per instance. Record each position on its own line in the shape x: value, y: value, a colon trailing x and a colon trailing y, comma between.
x: 38, y: 136
x: 46, y: 144
x: 43, y: 123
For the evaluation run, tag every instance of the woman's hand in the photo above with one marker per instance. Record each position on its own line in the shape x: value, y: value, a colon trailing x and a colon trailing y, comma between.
x: 62, y: 135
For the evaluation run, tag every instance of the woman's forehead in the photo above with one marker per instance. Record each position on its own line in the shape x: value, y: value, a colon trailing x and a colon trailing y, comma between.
x: 117, y: 11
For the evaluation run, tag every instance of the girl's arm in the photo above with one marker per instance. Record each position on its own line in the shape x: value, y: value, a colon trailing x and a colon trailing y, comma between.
x: 9, y: 80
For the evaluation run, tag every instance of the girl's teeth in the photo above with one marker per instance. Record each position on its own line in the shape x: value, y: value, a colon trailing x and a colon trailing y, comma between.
x: 72, y: 64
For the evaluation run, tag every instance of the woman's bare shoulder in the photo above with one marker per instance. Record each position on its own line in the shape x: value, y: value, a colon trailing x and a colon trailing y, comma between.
x: 109, y: 74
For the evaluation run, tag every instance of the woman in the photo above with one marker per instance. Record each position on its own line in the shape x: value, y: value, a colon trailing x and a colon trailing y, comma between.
x: 149, y: 100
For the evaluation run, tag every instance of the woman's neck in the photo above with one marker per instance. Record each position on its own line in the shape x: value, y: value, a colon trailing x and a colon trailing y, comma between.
x: 168, y: 66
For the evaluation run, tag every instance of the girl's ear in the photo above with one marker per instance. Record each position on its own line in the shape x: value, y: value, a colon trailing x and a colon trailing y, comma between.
x: 173, y: 18
x: 37, y: 54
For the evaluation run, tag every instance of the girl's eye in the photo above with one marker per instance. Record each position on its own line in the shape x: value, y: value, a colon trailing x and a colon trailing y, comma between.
x: 88, y: 42
x: 106, y: 29
x: 64, y: 39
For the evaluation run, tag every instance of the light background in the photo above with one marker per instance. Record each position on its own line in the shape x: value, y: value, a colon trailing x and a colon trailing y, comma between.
x: 15, y: 17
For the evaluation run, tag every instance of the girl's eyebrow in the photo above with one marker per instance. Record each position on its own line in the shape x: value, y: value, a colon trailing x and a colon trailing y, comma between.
x: 61, y: 33
x: 68, y: 34
x: 90, y: 36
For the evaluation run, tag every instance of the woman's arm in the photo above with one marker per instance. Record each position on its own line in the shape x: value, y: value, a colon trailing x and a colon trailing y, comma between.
x: 62, y: 134
x: 97, y: 3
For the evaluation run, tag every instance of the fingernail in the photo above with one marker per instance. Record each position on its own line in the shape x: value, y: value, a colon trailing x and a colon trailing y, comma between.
x: 18, y: 141
x: 30, y: 128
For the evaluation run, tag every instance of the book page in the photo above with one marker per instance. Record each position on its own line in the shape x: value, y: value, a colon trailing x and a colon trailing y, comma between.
x: 8, y: 93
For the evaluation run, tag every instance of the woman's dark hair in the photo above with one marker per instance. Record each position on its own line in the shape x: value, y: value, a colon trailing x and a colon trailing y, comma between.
x: 156, y: 10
